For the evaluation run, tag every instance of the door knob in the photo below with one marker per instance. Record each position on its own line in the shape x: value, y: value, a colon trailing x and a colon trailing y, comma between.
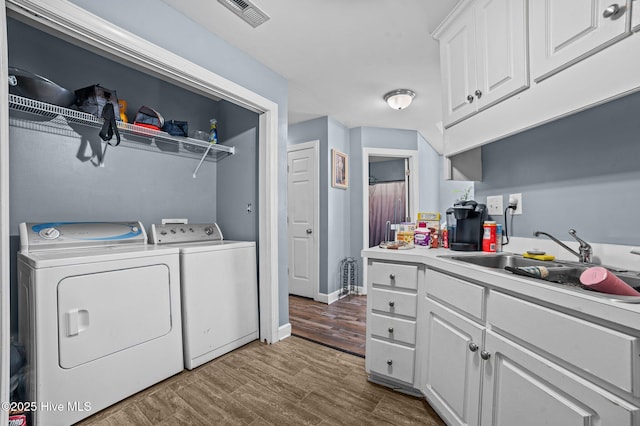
x: 469, y: 98
x: 309, y: 231
x: 485, y: 355
x: 478, y: 93
x: 611, y: 11
x: 473, y: 347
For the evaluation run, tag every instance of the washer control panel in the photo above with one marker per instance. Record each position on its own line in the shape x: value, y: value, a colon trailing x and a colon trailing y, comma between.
x: 173, y: 233
x: 62, y: 235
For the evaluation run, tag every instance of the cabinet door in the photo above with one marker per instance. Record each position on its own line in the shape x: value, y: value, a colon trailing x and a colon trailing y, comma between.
x: 501, y: 52
x: 452, y: 372
x: 564, y: 32
x: 520, y: 387
x: 458, y: 66
x: 635, y: 15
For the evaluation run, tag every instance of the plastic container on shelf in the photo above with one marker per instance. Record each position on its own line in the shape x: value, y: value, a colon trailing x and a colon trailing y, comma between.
x: 213, y: 131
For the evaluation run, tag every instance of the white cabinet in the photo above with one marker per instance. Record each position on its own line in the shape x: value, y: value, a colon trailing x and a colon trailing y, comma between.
x: 453, y: 364
x: 483, y: 56
x: 491, y: 358
x: 565, y: 32
x: 635, y: 15
x: 391, y: 323
x: 521, y: 387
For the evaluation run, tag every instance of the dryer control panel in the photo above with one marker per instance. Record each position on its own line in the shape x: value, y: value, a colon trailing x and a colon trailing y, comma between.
x: 173, y: 233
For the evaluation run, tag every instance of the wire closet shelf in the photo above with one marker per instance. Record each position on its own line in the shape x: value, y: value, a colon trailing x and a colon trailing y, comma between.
x: 60, y: 120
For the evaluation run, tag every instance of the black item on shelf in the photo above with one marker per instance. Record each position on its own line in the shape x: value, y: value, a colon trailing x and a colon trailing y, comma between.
x: 176, y: 128
x: 110, y: 127
x: 29, y: 85
x: 92, y: 99
x: 149, y: 118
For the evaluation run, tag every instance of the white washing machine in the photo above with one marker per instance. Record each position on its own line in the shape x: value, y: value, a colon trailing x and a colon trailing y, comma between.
x: 219, y: 289
x: 99, y: 315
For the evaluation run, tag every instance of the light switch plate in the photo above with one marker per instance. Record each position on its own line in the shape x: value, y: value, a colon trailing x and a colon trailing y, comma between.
x: 494, y: 204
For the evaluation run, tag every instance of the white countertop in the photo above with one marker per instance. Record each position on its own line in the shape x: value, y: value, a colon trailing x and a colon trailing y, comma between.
x: 558, y: 296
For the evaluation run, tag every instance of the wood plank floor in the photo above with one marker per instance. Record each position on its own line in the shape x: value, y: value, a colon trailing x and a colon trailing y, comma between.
x: 292, y: 382
x: 341, y: 325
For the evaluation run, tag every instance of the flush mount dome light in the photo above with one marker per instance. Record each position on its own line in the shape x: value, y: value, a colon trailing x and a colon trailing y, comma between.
x: 400, y: 98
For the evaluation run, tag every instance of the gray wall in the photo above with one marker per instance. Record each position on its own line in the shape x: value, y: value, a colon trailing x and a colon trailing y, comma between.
x: 162, y: 25
x: 579, y: 172
x: 58, y: 177
x: 237, y: 175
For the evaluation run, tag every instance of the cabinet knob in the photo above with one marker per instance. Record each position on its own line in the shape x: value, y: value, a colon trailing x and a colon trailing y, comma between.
x: 478, y: 93
x: 611, y: 11
x: 392, y: 276
x: 470, y: 98
x: 485, y: 355
x: 309, y: 231
x: 473, y: 347
x: 390, y: 329
x: 389, y: 362
x: 392, y: 303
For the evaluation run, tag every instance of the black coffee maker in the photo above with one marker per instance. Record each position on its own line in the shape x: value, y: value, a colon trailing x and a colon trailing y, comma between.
x: 464, y: 224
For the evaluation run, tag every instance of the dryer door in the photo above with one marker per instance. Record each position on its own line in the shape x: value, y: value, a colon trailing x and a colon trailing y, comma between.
x: 102, y: 313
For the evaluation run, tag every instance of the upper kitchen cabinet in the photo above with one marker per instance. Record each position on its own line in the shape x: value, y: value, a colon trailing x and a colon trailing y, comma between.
x: 483, y: 55
x: 572, y: 65
x: 565, y: 32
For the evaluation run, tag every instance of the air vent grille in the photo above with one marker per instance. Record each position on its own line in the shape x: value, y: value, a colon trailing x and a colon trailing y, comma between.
x: 246, y: 10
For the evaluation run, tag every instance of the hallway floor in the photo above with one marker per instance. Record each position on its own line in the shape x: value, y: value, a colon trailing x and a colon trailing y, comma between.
x: 341, y: 325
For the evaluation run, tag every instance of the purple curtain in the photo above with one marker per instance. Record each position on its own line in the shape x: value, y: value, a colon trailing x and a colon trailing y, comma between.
x: 386, y: 202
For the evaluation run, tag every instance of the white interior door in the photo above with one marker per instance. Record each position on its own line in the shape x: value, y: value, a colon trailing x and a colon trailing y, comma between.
x: 302, y: 218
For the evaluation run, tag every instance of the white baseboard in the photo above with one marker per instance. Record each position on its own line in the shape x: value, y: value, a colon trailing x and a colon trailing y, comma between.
x: 332, y: 297
x: 284, y: 331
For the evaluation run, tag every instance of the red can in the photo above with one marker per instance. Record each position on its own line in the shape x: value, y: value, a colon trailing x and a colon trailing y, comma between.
x: 489, y: 236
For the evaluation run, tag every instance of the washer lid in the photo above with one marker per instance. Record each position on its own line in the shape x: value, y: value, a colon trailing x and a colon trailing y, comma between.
x: 64, y: 235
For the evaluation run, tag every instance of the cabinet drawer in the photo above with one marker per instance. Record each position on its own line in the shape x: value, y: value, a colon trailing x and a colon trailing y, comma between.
x: 462, y: 295
x: 396, y: 329
x: 393, y: 275
x: 391, y: 360
x: 605, y: 353
x: 393, y: 302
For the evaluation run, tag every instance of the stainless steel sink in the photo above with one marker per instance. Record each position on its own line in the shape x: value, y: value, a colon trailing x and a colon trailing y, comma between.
x: 560, y: 272
x: 499, y: 261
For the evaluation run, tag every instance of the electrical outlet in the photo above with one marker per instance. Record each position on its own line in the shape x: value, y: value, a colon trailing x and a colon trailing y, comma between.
x: 494, y: 204
x: 517, y: 200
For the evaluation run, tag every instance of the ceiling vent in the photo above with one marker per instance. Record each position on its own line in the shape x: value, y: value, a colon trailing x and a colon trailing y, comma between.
x: 247, y: 11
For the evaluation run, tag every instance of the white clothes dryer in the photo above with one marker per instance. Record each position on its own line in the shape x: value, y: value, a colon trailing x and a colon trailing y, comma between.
x: 219, y: 289
x: 99, y: 315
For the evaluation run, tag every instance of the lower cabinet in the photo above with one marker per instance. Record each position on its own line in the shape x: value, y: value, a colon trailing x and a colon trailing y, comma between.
x: 474, y: 375
x: 392, y: 307
x: 453, y: 364
x: 522, y: 388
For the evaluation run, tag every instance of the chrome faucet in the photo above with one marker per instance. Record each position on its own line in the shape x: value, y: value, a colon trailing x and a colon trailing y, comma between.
x: 586, y: 252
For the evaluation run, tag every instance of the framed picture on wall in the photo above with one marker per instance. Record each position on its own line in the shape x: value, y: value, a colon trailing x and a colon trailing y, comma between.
x: 339, y: 169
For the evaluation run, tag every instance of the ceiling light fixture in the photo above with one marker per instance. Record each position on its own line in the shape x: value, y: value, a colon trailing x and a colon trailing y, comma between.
x: 399, y: 98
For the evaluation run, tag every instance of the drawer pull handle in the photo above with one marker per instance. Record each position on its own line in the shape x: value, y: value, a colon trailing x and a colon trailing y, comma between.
x: 390, y: 329
x: 473, y: 347
x: 392, y: 276
x: 389, y: 362
x: 485, y: 355
x: 392, y: 304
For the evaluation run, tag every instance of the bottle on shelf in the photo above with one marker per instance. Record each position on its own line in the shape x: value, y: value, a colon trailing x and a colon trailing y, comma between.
x: 213, y: 131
